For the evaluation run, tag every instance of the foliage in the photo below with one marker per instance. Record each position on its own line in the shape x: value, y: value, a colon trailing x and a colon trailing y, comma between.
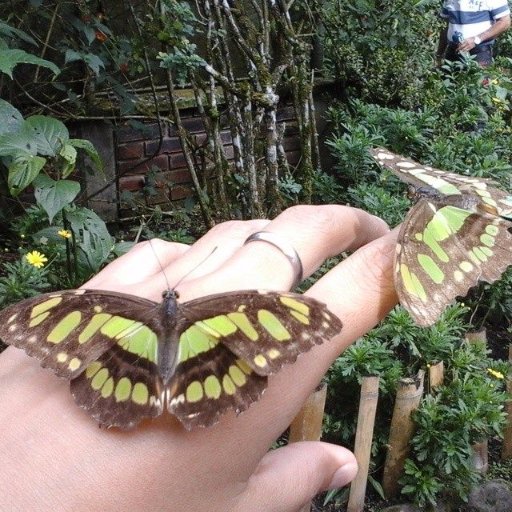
x: 118, y: 59
x: 21, y: 280
x: 467, y: 409
x: 368, y: 47
x: 453, y: 127
x: 38, y: 152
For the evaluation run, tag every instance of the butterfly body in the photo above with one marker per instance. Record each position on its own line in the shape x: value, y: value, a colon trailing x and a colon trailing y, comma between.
x: 130, y: 358
x: 457, y: 233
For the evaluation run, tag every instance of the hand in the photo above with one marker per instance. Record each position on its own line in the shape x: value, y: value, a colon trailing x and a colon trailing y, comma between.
x: 466, y: 45
x: 54, y: 457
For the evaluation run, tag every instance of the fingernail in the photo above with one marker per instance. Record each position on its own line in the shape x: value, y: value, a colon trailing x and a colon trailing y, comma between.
x: 344, y: 475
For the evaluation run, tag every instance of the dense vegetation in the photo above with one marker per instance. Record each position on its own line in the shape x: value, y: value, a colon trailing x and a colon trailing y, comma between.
x: 455, y: 118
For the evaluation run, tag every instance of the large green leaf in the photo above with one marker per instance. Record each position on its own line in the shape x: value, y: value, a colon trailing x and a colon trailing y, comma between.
x: 53, y: 195
x: 12, y: 120
x: 48, y: 134
x: 23, y: 169
x: 90, y: 151
x: 95, y: 240
x: 10, y: 58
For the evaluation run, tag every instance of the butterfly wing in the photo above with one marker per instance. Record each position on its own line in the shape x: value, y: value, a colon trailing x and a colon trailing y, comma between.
x: 88, y: 337
x: 443, y: 251
x: 234, y: 341
x: 492, y: 199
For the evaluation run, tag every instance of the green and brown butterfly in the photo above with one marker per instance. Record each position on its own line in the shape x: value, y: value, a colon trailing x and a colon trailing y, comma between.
x: 457, y: 234
x: 130, y: 358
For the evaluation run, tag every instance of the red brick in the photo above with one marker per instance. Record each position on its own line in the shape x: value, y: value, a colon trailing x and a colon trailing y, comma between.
x: 131, y: 183
x: 177, y: 161
x: 180, y: 176
x: 193, y: 124
x: 168, y: 146
x: 130, y: 151
x: 160, y: 161
x: 181, y: 192
x: 161, y: 196
x: 225, y: 137
x: 147, y: 131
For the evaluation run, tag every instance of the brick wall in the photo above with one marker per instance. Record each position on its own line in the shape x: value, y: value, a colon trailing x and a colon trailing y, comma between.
x: 133, y: 148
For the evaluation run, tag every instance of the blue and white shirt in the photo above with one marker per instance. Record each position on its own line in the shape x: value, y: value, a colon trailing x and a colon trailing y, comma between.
x: 469, y: 18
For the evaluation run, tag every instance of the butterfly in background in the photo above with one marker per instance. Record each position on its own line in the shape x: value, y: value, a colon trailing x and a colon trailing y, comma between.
x: 457, y: 234
x: 130, y: 358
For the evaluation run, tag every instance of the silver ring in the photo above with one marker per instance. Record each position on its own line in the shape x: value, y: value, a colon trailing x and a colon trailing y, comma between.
x: 284, y: 247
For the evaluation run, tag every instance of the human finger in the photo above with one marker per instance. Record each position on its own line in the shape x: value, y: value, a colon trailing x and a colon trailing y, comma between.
x: 158, y: 264
x: 315, y: 233
x: 289, y: 477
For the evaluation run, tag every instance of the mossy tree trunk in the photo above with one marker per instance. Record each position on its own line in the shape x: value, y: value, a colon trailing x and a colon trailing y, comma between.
x: 253, y: 50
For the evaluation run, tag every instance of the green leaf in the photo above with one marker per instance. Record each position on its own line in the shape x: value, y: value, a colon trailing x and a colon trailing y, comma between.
x: 12, y: 120
x: 53, y: 195
x: 90, y: 150
x: 376, y: 485
x: 94, y: 63
x: 121, y: 248
x: 92, y: 60
x: 23, y: 170
x: 17, y: 143
x: 68, y: 153
x: 9, y: 59
x: 72, y: 56
x: 7, y: 30
x: 49, y: 134
x: 95, y: 240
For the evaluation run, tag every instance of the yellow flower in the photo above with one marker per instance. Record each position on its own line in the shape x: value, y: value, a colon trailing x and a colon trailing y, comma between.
x: 64, y: 233
x: 495, y: 373
x: 36, y: 258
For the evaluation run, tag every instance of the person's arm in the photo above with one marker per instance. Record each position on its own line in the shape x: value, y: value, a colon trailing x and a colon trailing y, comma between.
x: 501, y: 25
x: 53, y: 456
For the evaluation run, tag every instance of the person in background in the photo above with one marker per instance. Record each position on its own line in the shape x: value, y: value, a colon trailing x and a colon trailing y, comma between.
x: 472, y: 27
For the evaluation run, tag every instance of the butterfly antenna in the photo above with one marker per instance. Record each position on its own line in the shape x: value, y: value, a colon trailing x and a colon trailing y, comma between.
x: 183, y: 277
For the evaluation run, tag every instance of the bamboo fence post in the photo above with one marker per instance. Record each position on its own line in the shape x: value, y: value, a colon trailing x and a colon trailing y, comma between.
x: 477, y: 336
x: 436, y: 375
x: 408, y: 397
x: 480, y: 456
x: 307, y: 425
x: 506, y: 451
x: 363, y: 444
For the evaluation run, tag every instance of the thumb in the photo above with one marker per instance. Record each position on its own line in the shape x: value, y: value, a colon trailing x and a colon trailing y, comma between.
x: 289, y: 477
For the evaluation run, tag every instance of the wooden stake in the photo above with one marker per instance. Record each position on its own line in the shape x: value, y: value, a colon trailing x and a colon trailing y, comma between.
x: 477, y: 336
x: 307, y: 425
x: 363, y: 443
x: 436, y: 375
x: 480, y: 457
x: 506, y: 451
x: 408, y: 398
